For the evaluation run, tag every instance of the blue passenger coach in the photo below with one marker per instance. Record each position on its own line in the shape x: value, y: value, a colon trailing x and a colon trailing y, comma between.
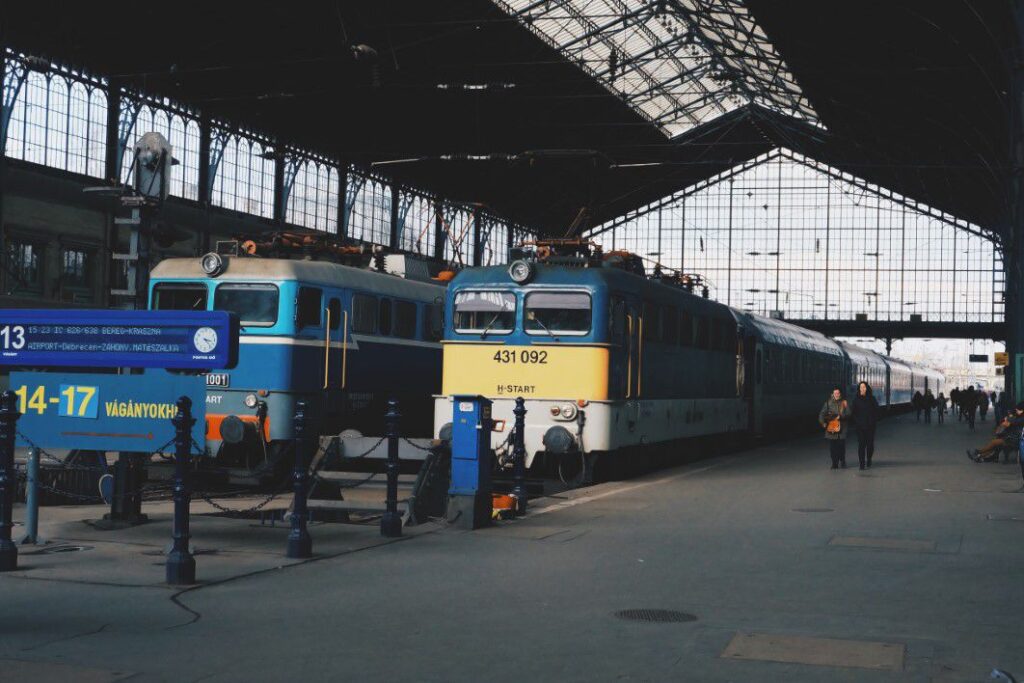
x: 343, y: 339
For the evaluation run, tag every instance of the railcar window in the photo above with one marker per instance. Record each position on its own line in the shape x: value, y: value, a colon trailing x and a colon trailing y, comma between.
x: 493, y: 312
x: 256, y: 305
x: 179, y: 297
x: 308, y: 311
x: 557, y: 312
x: 685, y: 329
x: 384, y: 318
x: 405, y: 319
x: 617, y: 321
x: 433, y: 322
x: 669, y: 325
x: 334, y: 310
x: 364, y: 314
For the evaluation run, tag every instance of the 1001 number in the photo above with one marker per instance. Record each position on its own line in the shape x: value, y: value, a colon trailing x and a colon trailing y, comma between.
x: 525, y: 357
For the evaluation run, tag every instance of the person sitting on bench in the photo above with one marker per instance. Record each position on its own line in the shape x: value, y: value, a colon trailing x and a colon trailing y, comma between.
x: 1007, y: 435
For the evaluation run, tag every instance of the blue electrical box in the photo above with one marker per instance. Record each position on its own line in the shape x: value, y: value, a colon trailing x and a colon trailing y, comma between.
x: 469, y: 503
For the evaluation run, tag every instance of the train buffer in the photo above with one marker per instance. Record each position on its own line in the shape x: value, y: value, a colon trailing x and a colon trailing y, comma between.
x: 350, y: 479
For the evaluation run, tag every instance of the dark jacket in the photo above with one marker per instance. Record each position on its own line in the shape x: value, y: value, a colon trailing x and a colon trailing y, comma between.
x: 831, y: 410
x: 1011, y: 435
x: 864, y: 411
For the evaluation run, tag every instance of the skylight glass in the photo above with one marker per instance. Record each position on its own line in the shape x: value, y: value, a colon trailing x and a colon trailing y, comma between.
x: 678, y: 63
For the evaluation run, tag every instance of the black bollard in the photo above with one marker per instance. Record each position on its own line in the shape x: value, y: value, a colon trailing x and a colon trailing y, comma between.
x: 8, y: 429
x: 181, y: 566
x: 391, y: 522
x: 519, y: 457
x: 300, y: 543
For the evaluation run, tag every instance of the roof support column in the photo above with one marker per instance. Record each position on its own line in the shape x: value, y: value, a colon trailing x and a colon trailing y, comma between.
x: 395, y: 236
x: 1013, y: 243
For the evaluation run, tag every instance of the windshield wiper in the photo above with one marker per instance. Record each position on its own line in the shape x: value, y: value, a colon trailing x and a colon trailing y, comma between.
x: 488, y: 326
x: 544, y: 327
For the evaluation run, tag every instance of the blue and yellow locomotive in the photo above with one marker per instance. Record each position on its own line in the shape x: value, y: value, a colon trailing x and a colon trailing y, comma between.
x: 609, y: 359
x: 343, y: 339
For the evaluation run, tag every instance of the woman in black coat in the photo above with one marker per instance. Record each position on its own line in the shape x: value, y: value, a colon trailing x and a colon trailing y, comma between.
x: 865, y: 417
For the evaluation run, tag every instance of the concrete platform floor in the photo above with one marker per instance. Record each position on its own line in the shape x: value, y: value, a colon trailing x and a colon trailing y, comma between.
x: 911, y: 571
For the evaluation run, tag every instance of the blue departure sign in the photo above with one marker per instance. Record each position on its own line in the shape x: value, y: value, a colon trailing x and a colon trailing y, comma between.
x: 105, y: 412
x: 180, y: 340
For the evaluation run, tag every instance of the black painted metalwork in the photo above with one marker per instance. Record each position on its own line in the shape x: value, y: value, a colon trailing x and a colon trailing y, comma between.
x: 8, y: 484
x: 519, y: 457
x: 181, y: 565
x: 300, y: 543
x: 391, y: 522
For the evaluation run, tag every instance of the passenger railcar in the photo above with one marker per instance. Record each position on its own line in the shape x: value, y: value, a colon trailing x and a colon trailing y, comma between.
x: 341, y: 338
x: 608, y: 359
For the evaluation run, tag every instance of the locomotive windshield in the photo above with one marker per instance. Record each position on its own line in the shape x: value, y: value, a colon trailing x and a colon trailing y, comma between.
x: 253, y: 303
x: 557, y: 312
x: 184, y: 296
x: 485, y: 312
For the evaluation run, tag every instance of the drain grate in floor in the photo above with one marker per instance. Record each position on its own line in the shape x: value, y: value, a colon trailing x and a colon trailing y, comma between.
x: 659, y: 616
x: 65, y: 549
x: 813, y: 509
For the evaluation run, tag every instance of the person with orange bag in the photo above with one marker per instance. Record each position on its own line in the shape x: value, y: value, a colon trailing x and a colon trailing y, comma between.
x: 833, y: 417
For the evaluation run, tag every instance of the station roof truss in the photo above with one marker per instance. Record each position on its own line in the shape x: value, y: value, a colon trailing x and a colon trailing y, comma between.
x: 678, y: 63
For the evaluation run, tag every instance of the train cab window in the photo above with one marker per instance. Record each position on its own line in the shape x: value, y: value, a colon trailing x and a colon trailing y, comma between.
x: 364, y: 314
x: 334, y: 313
x: 557, y: 312
x: 384, y: 317
x: 405, y: 319
x: 685, y: 328
x: 179, y: 297
x: 485, y: 312
x: 308, y: 311
x: 256, y: 305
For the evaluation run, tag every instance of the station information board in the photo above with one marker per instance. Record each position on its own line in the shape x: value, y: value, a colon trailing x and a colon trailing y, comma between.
x: 105, y: 412
x: 182, y: 340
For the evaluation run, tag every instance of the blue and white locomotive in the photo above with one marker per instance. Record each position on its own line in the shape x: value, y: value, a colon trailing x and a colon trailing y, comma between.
x: 609, y: 359
x: 343, y: 339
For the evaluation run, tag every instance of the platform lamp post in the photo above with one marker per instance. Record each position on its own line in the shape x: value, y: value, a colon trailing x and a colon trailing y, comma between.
x: 391, y: 522
x: 8, y: 429
x: 181, y: 565
x: 519, y: 457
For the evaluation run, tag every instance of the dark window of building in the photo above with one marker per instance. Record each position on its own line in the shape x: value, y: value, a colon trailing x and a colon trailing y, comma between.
x: 24, y: 266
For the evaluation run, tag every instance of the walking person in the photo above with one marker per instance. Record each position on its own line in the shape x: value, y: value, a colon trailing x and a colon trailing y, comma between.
x: 865, y: 418
x: 954, y: 401
x: 917, y: 401
x: 982, y: 404
x: 1001, y: 407
x: 969, y: 405
x: 940, y: 404
x: 833, y: 418
x: 929, y: 404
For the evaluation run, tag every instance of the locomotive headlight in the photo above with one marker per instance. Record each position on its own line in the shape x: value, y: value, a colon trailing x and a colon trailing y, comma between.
x: 251, y: 400
x: 568, y: 411
x: 213, y: 264
x: 521, y: 271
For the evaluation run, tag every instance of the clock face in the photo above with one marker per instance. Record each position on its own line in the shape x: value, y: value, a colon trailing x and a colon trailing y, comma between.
x: 205, y: 339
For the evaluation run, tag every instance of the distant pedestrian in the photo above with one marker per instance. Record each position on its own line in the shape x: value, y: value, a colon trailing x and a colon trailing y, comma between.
x: 833, y: 417
x: 865, y: 418
x: 1000, y: 406
x: 940, y: 405
x: 969, y: 405
x: 954, y: 401
x: 917, y: 401
x: 982, y: 405
x: 929, y: 405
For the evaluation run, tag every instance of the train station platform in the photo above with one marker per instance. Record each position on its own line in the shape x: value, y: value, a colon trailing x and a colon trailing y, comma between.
x: 762, y: 565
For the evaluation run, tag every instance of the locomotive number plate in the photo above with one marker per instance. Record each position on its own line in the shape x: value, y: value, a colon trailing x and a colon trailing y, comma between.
x: 220, y: 380
x: 521, y: 357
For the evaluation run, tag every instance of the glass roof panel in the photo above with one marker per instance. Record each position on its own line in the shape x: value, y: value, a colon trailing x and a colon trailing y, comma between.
x: 678, y: 63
